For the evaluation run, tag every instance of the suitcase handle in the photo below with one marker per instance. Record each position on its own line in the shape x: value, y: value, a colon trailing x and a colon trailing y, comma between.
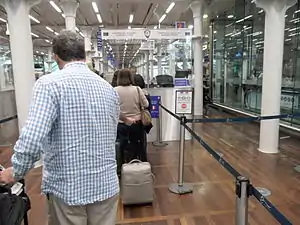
x: 135, y: 161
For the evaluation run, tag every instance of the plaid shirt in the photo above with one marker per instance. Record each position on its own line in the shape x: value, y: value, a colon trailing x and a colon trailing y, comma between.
x: 73, y: 122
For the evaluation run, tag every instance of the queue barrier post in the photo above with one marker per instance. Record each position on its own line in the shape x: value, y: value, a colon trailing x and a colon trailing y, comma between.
x: 242, y: 198
x: 159, y: 142
x: 180, y: 187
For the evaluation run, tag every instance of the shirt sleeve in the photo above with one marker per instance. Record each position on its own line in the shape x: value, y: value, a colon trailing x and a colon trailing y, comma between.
x: 42, y: 114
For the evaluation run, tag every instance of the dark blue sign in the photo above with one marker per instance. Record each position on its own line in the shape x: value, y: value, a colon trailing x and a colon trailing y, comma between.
x: 99, y: 40
x: 155, y: 106
x: 181, y: 82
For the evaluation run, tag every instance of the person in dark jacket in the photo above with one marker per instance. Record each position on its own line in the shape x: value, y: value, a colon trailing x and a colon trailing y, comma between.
x: 139, y: 81
x: 115, y: 78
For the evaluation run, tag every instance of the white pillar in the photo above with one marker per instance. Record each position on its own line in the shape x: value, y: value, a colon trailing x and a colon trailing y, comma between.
x: 272, y: 70
x: 22, y: 53
x: 87, y: 33
x: 159, y: 58
x: 69, y: 8
x: 50, y: 60
x: 147, y: 75
x: 151, y: 60
x: 197, y: 8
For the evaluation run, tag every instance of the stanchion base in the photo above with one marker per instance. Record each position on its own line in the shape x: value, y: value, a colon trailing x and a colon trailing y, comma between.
x: 159, y: 144
x: 181, y: 189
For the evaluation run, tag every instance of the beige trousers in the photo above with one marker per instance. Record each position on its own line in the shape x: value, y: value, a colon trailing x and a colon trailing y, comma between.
x: 99, y: 213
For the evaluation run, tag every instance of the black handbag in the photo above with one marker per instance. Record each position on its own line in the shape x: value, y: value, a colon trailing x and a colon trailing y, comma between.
x: 13, y: 208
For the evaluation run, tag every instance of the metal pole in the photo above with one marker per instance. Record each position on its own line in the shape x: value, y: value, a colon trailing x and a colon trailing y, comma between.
x: 181, y: 153
x: 159, y: 142
x: 242, y: 192
x: 193, y: 115
x: 180, y: 187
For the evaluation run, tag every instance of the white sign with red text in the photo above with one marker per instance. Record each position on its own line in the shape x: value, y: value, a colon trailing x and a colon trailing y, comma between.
x: 183, y: 102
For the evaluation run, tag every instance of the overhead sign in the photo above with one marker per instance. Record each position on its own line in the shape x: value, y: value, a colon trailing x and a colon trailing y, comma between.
x: 155, y: 106
x: 180, y: 24
x: 181, y: 82
x: 144, y: 34
x: 99, y: 40
x: 183, y: 102
x: 147, y: 45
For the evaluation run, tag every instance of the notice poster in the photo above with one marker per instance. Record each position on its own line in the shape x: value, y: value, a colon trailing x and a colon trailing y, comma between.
x: 183, y: 102
x: 155, y: 100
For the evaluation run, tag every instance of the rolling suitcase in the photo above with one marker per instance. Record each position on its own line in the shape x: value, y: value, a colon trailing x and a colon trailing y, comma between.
x: 137, y: 183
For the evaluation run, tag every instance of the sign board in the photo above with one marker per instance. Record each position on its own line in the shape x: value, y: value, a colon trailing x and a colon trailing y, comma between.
x: 180, y: 24
x: 147, y: 45
x: 155, y: 106
x: 181, y: 82
x: 99, y: 40
x: 144, y: 34
x: 289, y: 101
x: 183, y: 102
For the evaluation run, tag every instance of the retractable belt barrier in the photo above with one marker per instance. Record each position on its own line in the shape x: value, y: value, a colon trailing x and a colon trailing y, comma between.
x: 244, y: 188
x: 8, y: 119
x: 243, y: 119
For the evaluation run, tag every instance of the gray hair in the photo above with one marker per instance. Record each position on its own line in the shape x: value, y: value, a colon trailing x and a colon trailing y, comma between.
x: 69, y: 46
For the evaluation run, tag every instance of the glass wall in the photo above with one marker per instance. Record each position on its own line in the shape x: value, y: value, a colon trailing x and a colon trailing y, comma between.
x: 238, y: 45
x: 6, y: 71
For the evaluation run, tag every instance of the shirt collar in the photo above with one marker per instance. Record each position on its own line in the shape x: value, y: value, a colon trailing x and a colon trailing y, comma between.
x: 75, y: 64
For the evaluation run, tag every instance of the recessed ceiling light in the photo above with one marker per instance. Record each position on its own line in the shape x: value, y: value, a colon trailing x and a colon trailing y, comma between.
x: 50, y: 29
x: 230, y: 16
x: 3, y: 20
x: 99, y: 18
x: 205, y: 16
x: 34, y: 19
x: 95, y: 7
x: 55, y: 6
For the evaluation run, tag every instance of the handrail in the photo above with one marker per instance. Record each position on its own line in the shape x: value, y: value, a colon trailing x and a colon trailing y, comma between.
x: 244, y: 188
x: 8, y: 119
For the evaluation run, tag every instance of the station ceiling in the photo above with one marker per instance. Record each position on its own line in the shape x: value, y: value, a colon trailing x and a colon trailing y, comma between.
x: 47, y: 18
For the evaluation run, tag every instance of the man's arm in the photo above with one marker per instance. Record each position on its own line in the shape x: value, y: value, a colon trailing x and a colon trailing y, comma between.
x: 42, y: 114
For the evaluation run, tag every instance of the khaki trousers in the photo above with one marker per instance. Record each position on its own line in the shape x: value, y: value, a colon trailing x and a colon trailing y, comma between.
x: 99, y: 213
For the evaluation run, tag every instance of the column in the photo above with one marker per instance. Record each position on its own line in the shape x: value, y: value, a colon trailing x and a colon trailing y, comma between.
x: 151, y: 60
x: 50, y: 61
x: 197, y: 8
x: 272, y: 70
x: 147, y: 75
x: 22, y: 53
x: 159, y: 58
x: 87, y: 33
x: 97, y: 57
x: 69, y: 8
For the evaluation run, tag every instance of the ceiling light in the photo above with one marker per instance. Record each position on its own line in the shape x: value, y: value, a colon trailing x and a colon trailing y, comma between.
x: 205, y: 16
x: 81, y: 34
x: 76, y: 28
x: 48, y: 28
x: 129, y: 27
x: 42, y: 53
x: 155, y: 27
x: 35, y: 35
x: 261, y: 11
x: 230, y: 16
x: 162, y: 18
x: 55, y: 33
x: 63, y: 15
x: 3, y: 20
x: 95, y: 7
x: 131, y: 18
x: 34, y: 19
x: 170, y: 7
x: 47, y: 41
x: 191, y: 26
x: 55, y: 6
x: 99, y: 18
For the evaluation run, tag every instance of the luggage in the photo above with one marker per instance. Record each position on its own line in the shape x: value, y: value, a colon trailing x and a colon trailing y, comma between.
x: 13, y: 207
x: 137, y: 183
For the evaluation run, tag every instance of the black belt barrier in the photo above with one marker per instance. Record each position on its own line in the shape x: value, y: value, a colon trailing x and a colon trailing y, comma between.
x: 8, y: 119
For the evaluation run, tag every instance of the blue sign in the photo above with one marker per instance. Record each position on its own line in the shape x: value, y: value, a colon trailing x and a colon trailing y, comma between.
x: 99, y: 40
x: 181, y: 82
x: 155, y: 106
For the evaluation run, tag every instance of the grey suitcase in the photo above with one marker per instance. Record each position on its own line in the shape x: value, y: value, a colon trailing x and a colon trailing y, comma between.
x: 137, y: 183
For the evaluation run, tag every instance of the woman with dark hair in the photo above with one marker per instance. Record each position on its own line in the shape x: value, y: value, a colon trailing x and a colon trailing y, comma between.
x: 114, y: 80
x: 132, y: 99
x: 140, y: 82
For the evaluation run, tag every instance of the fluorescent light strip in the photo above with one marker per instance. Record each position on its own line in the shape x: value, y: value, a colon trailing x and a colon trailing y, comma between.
x: 260, y: 11
x: 99, y: 18
x: 170, y: 7
x: 3, y: 20
x: 48, y: 28
x: 47, y: 41
x: 162, y: 18
x: 63, y: 15
x: 95, y: 7
x: 55, y: 6
x: 35, y: 35
x: 34, y: 19
x: 130, y: 18
x: 230, y: 16
x: 129, y: 27
x: 76, y: 28
x: 55, y: 33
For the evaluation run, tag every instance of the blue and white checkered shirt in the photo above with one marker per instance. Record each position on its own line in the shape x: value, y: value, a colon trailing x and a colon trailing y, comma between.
x: 72, y: 121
